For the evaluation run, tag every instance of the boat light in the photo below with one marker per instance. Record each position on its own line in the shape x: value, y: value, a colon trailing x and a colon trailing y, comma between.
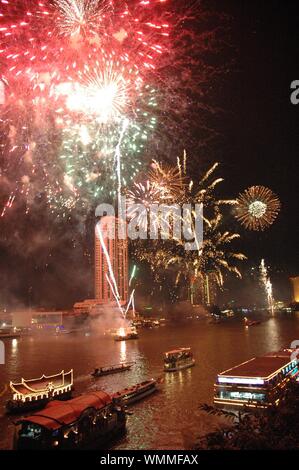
x: 239, y: 380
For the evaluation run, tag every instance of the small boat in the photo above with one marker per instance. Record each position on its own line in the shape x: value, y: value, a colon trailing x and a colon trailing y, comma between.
x: 125, y: 334
x: 112, y: 369
x: 137, y: 392
x: 251, y: 322
x: 147, y: 323
x: 36, y: 393
x: 178, y: 359
x: 85, y: 422
x: 228, y: 313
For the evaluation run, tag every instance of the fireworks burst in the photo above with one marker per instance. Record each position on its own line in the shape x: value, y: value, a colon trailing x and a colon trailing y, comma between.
x: 87, y: 92
x: 167, y: 179
x: 140, y: 202
x: 257, y: 208
x: 70, y: 65
x: 81, y: 16
x: 106, y: 90
x: 214, y: 257
x: 163, y: 186
x: 99, y: 157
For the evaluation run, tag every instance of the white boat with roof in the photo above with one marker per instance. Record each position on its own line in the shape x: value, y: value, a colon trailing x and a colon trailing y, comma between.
x: 178, y: 359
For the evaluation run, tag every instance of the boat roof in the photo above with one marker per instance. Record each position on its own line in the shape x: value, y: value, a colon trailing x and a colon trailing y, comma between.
x: 262, y: 366
x: 27, y: 387
x: 58, y: 413
x: 179, y: 350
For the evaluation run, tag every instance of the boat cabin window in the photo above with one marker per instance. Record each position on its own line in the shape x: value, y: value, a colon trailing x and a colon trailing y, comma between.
x: 170, y: 357
x: 242, y: 396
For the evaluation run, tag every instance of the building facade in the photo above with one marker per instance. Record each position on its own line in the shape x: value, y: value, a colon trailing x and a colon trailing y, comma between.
x: 295, y: 284
x: 204, y: 290
x: 111, y: 262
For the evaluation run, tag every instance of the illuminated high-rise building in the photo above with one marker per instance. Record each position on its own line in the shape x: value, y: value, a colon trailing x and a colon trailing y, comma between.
x: 111, y: 262
x: 204, y: 290
x: 295, y: 284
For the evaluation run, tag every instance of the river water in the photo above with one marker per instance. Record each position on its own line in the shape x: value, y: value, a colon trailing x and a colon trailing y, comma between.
x: 164, y: 420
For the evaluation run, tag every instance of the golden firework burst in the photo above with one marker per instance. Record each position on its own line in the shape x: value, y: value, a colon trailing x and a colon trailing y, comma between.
x: 257, y: 208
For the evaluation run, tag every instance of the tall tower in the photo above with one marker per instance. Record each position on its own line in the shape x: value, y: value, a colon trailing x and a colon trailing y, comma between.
x: 295, y: 284
x: 111, y: 262
x: 204, y: 290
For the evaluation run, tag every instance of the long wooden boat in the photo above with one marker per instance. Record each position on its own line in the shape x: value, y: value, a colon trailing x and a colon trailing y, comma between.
x: 85, y: 422
x: 137, y: 392
x: 251, y: 322
x: 112, y: 369
x: 178, y: 359
x: 36, y: 393
x: 257, y: 383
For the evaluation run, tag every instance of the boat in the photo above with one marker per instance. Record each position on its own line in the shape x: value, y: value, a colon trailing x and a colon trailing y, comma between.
x: 9, y: 333
x: 147, y: 323
x: 85, y: 422
x: 256, y: 383
x: 251, y: 322
x: 137, y: 392
x: 36, y: 393
x: 228, y: 313
x: 125, y: 334
x: 178, y: 359
x: 112, y: 369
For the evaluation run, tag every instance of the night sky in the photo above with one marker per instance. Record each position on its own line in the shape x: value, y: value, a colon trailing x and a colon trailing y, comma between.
x: 258, y: 144
x: 260, y: 129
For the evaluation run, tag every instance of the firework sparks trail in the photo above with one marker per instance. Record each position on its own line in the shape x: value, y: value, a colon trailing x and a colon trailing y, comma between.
x: 116, y: 297
x: 266, y: 282
x: 117, y: 156
x: 132, y: 275
x: 8, y: 205
x: 111, y: 278
x: 131, y: 302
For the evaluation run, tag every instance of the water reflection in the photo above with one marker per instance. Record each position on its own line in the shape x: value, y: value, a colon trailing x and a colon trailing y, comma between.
x: 123, y: 351
x: 179, y: 378
x: 14, y: 345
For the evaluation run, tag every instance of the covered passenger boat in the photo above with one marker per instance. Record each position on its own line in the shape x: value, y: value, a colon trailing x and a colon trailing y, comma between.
x: 85, y: 422
x: 178, y: 359
x: 137, y: 393
x: 115, y: 369
x: 36, y: 393
x: 257, y: 383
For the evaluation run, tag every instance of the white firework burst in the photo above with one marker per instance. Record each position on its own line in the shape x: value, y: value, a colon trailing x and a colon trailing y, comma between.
x: 80, y: 16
